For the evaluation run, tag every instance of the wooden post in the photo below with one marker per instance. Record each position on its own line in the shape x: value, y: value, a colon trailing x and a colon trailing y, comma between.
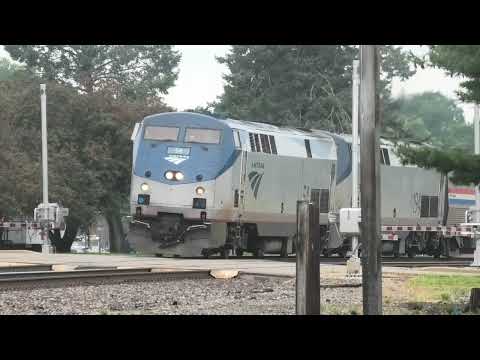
x: 370, y: 181
x: 308, y: 260
x: 475, y: 299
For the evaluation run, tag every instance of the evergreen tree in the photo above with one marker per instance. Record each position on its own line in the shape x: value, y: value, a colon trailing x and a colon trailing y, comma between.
x: 457, y: 60
x: 299, y: 85
x: 132, y: 71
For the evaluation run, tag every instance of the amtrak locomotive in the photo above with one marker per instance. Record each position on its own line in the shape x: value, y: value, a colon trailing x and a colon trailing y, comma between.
x: 202, y: 185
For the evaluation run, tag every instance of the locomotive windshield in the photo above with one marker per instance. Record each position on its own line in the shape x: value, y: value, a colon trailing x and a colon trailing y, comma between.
x: 161, y: 133
x: 203, y: 136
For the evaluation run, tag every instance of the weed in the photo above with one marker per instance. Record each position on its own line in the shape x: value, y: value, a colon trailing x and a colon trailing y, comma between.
x: 445, y: 297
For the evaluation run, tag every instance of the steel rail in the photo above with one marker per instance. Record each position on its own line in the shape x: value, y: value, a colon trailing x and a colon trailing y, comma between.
x: 87, y: 277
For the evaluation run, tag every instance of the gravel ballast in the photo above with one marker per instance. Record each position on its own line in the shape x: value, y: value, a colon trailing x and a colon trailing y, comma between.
x: 241, y: 295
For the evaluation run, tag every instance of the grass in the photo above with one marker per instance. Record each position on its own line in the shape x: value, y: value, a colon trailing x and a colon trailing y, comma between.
x: 447, y: 294
x: 340, y: 310
x: 444, y: 288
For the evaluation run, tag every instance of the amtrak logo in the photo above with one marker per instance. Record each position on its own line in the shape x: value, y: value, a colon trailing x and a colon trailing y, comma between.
x: 176, y: 159
x: 255, y: 179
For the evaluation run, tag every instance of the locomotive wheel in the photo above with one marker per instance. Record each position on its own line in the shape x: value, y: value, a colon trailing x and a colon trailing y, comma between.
x: 225, y: 253
x: 411, y: 252
x: 206, y: 253
x: 259, y: 253
x: 342, y: 253
x: 284, y: 250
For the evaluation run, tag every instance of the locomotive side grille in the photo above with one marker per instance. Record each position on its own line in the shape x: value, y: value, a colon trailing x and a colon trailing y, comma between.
x: 324, y: 200
x: 272, y: 144
x: 252, y: 142
x: 320, y: 199
x: 265, y: 144
x: 456, y: 215
x: 433, y: 206
x: 257, y: 143
x: 429, y: 206
x: 424, y: 207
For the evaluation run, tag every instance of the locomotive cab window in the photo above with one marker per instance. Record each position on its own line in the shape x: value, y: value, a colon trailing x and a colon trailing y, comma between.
x: 161, y: 133
x: 202, y: 136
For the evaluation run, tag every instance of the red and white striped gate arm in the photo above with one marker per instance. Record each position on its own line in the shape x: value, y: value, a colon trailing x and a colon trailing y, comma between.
x: 446, y: 230
x: 19, y: 225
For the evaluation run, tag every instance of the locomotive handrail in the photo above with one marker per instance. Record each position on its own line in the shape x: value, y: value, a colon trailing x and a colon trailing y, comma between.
x: 193, y: 227
x: 141, y: 223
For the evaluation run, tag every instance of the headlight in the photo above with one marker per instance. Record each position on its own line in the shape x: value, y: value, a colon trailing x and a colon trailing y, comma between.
x: 200, y: 190
x: 145, y: 187
x: 169, y: 175
x: 179, y: 176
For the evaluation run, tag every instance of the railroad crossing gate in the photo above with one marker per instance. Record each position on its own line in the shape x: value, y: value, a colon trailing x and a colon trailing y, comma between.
x: 350, y: 218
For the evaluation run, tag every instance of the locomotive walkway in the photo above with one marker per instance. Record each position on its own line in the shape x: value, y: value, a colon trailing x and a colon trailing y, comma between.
x: 270, y: 266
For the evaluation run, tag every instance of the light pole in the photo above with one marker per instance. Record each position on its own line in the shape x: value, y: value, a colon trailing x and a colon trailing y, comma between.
x: 46, y: 246
x: 353, y: 264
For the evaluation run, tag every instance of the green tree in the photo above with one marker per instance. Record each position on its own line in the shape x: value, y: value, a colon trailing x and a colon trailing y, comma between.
x: 9, y: 70
x: 457, y: 60
x: 460, y: 60
x: 89, y: 153
x: 209, y: 109
x: 132, y: 71
x: 95, y: 94
x: 430, y: 117
x: 464, y: 168
x: 302, y: 86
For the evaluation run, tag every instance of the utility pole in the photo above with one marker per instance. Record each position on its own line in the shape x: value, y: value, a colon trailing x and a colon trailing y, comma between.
x: 370, y: 181
x: 308, y: 260
x: 476, y: 217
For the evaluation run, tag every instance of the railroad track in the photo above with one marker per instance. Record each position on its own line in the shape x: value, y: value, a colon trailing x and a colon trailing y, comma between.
x: 28, y: 279
x: 402, y: 262
x: 407, y: 262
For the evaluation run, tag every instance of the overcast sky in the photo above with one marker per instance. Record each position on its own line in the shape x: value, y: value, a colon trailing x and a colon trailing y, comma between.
x: 200, y: 78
